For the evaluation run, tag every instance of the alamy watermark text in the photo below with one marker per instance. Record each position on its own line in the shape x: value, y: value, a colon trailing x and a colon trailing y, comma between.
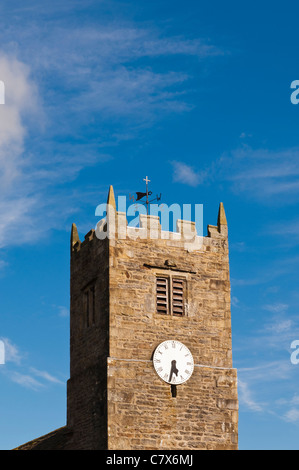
x: 160, y: 217
x: 295, y: 353
x: 295, y: 94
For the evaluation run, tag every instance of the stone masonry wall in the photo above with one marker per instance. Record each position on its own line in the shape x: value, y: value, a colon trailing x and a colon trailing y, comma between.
x: 135, y: 327
x: 144, y: 415
x: 141, y: 410
x: 89, y: 342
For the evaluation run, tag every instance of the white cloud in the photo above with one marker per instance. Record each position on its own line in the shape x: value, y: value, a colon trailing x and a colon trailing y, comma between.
x: 276, y: 307
x: 78, y: 77
x: 29, y: 380
x: 29, y: 377
x: 292, y: 415
x: 45, y: 375
x: 99, y: 68
x: 20, y: 101
x: 267, y: 371
x: 259, y: 386
x: 279, y: 326
x: 245, y: 397
x: 63, y: 311
x: 16, y: 213
x: 186, y: 174
x: 26, y: 380
x: 123, y: 92
x: 262, y: 174
x: 235, y: 301
x: 239, y: 246
x: 293, y: 401
x: 12, y: 352
x: 248, y: 282
x: 286, y: 232
x: 21, y: 105
x: 102, y: 67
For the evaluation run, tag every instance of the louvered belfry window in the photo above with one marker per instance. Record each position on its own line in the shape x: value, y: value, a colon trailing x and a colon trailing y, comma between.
x: 177, y: 297
x: 162, y: 295
x: 170, y: 296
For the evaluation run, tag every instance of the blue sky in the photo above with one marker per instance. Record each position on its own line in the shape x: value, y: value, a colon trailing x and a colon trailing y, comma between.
x: 194, y: 94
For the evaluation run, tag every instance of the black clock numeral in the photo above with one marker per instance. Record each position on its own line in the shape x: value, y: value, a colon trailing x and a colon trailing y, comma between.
x: 187, y: 372
x: 173, y: 344
x: 160, y: 369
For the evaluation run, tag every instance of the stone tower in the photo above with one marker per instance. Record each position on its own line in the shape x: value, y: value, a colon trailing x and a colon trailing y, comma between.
x: 132, y: 290
x: 129, y: 293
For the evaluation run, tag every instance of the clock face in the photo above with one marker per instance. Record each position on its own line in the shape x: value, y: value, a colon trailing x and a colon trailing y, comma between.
x: 173, y: 362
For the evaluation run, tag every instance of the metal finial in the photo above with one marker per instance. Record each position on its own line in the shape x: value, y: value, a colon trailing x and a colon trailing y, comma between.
x: 148, y: 193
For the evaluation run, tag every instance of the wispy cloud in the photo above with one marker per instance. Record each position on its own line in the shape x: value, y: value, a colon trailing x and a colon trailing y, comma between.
x: 271, y: 374
x: 63, y: 311
x: 25, y: 380
x: 21, y: 105
x: 21, y: 102
x: 260, y: 386
x: 267, y: 371
x: 186, y: 174
x: 133, y: 93
x: 79, y: 82
x: 45, y: 376
x: 284, y: 232
x: 260, y: 174
x: 246, y: 398
x: 263, y: 174
x: 111, y: 67
x: 12, y: 352
x: 34, y: 379
x: 17, y: 370
x: 277, y: 307
x: 292, y: 415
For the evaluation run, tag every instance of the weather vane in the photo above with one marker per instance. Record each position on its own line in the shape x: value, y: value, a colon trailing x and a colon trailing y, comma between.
x: 146, y: 195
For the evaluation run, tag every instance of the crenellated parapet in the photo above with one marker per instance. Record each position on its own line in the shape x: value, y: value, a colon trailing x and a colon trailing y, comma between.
x: 115, y: 226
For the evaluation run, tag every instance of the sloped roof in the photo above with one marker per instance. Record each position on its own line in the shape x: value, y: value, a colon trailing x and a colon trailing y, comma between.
x: 55, y: 440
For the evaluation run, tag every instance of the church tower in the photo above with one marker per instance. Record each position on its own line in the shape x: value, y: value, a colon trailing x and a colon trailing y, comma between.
x: 150, y: 339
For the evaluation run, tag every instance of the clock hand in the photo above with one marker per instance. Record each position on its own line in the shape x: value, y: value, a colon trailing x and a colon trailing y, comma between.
x: 173, y: 370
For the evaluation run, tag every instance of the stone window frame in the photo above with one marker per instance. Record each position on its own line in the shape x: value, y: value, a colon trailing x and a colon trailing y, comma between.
x: 170, y: 278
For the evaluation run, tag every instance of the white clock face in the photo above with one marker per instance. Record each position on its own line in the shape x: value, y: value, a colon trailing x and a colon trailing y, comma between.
x: 173, y: 362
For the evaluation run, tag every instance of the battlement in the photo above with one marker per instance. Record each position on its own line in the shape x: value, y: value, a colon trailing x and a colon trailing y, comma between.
x: 115, y: 227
